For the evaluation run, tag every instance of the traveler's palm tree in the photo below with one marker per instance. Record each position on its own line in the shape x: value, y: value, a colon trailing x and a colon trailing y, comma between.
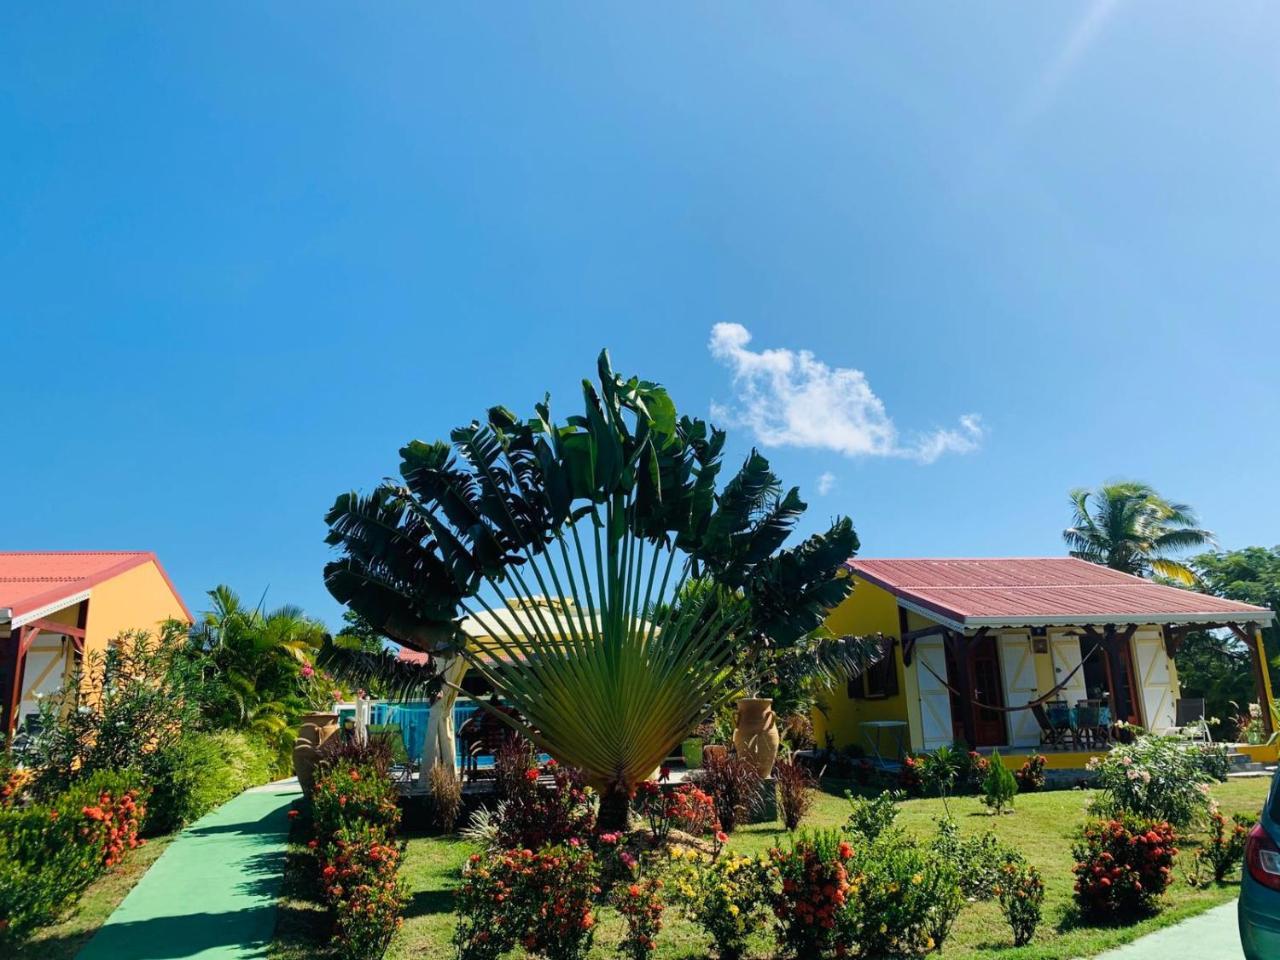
x: 609, y: 515
x: 1129, y: 527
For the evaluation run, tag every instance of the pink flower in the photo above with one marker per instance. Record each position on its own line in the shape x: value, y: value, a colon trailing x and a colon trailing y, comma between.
x: 308, y: 671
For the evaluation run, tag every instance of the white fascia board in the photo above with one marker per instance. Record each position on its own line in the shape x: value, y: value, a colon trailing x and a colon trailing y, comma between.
x: 933, y: 615
x: 41, y: 612
x: 1263, y: 617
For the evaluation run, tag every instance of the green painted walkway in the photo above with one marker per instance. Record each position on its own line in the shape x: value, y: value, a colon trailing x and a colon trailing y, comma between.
x: 1212, y: 935
x: 212, y: 894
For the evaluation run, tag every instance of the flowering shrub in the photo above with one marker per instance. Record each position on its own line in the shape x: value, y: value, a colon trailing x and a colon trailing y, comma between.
x: 534, y: 816
x: 727, y: 898
x: 871, y: 816
x: 1021, y: 893
x: 1153, y: 778
x: 904, y: 900
x: 1123, y: 865
x: 815, y: 890
x: 1225, y: 849
x: 1030, y: 777
x: 977, y: 859
x: 13, y: 783
x: 347, y: 795
x: 640, y: 904
x: 361, y: 881
x: 49, y: 852
x: 911, y: 775
x: 540, y: 901
x: 685, y: 808
x: 973, y: 768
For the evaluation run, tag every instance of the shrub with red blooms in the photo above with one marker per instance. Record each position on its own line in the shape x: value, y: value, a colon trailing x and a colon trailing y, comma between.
x: 1123, y: 866
x: 49, y: 852
x: 640, y: 904
x: 911, y: 776
x: 348, y: 795
x: 1031, y: 775
x: 539, y: 816
x: 813, y: 894
x: 1225, y: 849
x: 360, y: 877
x: 685, y: 807
x: 539, y: 901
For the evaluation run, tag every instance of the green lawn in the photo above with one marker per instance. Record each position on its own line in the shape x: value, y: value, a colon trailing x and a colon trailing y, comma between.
x: 1042, y: 828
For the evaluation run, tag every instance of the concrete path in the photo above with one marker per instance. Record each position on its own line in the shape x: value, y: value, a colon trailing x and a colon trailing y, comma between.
x: 212, y: 894
x: 1212, y: 935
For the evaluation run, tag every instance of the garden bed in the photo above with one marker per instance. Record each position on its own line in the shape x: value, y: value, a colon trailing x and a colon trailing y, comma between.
x: 1043, y: 828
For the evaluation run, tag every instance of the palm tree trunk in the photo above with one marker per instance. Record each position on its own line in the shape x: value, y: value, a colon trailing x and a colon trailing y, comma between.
x: 615, y: 808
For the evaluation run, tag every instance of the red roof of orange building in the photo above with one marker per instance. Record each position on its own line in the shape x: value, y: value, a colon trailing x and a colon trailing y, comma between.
x: 1043, y: 591
x: 30, y: 580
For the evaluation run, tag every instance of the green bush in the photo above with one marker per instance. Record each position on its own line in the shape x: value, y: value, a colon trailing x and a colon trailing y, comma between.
x: 201, y: 771
x: 999, y: 788
x: 349, y: 796
x: 977, y: 859
x: 1021, y: 895
x: 1154, y: 778
x: 871, y: 816
x: 49, y: 852
x: 906, y: 901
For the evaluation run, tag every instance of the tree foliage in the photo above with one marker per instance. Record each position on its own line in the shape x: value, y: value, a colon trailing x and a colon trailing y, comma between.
x: 1128, y: 526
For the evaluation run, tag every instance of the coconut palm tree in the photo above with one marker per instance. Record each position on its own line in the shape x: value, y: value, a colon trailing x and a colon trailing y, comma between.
x: 609, y: 515
x: 1128, y: 526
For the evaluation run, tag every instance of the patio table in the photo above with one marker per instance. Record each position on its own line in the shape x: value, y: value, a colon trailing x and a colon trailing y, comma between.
x: 877, y: 727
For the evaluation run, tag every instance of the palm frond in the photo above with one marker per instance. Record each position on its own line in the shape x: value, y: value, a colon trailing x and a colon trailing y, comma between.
x: 384, y: 670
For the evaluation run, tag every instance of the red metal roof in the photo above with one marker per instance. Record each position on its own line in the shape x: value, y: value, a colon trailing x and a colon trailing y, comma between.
x: 1044, y: 591
x: 31, y: 580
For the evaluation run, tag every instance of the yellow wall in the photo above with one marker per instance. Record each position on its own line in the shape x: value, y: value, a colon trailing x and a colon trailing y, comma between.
x: 138, y: 599
x: 867, y: 610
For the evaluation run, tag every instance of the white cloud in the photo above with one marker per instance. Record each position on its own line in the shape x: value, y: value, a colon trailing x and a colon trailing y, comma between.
x: 790, y: 398
x: 826, y: 483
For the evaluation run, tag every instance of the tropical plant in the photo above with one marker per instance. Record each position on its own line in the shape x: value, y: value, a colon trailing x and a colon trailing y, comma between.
x: 734, y: 783
x: 871, y: 816
x: 446, y: 796
x: 254, y: 662
x: 1128, y: 526
x: 1154, y: 778
x: 1000, y: 787
x: 610, y: 515
x: 1021, y: 893
x: 795, y: 791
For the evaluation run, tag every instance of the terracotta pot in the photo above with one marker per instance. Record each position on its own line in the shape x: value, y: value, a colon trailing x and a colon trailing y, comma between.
x: 756, y: 735
x: 714, y: 751
x: 326, y: 725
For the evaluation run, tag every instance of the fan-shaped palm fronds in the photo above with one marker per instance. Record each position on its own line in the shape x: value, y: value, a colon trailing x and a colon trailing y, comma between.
x: 609, y: 514
x: 1127, y: 526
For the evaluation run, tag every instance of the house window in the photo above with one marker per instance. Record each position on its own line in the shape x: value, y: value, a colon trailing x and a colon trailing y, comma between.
x: 879, y: 681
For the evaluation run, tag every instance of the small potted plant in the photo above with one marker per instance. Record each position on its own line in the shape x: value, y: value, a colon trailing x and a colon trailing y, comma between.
x: 716, y: 733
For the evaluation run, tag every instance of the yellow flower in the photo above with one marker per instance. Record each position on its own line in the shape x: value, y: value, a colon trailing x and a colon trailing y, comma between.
x: 917, y: 880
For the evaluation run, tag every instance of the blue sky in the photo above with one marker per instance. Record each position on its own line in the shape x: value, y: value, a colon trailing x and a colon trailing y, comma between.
x: 248, y: 252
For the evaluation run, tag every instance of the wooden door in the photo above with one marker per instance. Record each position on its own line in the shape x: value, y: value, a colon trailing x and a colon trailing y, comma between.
x: 935, y: 700
x: 984, y: 667
x: 1018, y: 663
x: 1155, y: 680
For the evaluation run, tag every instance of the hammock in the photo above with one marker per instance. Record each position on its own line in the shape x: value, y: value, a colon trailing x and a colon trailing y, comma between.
x: 1038, y: 701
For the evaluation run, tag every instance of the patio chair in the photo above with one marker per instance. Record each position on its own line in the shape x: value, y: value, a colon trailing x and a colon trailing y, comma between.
x: 1089, y: 723
x: 1189, y: 719
x: 1051, y: 735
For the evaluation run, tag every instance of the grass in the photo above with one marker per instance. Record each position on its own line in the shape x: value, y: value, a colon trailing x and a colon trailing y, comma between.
x: 63, y: 940
x: 1042, y: 827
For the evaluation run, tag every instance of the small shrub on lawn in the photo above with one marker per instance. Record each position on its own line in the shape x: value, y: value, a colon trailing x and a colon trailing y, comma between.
x: 1123, y: 866
x: 972, y: 770
x: 539, y: 901
x: 49, y: 852
x: 512, y: 762
x: 999, y: 789
x: 1021, y: 893
x: 810, y: 905
x: 727, y: 898
x: 977, y: 860
x: 734, y: 782
x: 1225, y: 850
x: 533, y: 817
x: 911, y: 775
x: 641, y: 905
x: 1214, y: 761
x: 361, y: 881
x: 871, y: 816
x: 795, y: 791
x: 349, y: 797
x: 685, y: 807
x: 446, y: 796
x: 1154, y: 778
x: 904, y: 900
x: 1030, y: 776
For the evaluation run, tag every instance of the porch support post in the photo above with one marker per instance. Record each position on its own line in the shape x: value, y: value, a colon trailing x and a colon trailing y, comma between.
x: 960, y: 650
x: 13, y: 662
x: 1251, y: 636
x: 1115, y: 646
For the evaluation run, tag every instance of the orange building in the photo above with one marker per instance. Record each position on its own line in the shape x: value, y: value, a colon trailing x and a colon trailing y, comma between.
x: 56, y: 607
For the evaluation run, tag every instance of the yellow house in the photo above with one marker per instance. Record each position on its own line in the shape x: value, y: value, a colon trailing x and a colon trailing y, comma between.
x: 974, y: 645
x: 56, y: 607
